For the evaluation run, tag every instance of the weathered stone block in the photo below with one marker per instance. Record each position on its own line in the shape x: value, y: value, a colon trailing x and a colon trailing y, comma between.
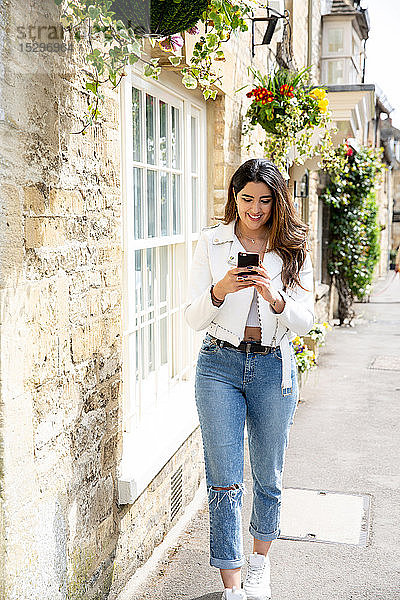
x: 34, y: 200
x: 63, y: 202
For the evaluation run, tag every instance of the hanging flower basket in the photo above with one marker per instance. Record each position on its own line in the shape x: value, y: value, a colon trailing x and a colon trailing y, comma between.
x: 284, y: 97
x: 164, y: 18
x: 291, y: 113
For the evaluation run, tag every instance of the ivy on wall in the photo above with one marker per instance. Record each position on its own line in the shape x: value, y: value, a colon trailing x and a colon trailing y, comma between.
x: 354, y: 235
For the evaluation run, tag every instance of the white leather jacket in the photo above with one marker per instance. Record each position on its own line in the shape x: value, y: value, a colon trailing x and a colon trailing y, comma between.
x: 215, y: 253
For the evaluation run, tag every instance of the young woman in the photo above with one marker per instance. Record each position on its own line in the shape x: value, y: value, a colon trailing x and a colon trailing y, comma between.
x: 246, y: 369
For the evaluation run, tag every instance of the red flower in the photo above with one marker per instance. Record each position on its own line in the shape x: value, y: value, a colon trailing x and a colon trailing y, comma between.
x: 349, y: 151
x: 286, y: 90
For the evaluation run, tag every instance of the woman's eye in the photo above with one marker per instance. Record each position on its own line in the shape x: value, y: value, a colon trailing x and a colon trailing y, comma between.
x: 262, y: 201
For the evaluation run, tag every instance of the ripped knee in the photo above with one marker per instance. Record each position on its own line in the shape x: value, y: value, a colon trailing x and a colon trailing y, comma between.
x: 218, y: 493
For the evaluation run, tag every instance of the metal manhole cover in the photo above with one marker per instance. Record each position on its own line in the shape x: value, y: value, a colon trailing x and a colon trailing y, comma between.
x: 386, y: 362
x: 323, y: 516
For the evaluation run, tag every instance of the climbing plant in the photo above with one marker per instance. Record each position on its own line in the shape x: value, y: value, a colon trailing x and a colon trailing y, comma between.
x: 354, y: 230
x: 113, y: 44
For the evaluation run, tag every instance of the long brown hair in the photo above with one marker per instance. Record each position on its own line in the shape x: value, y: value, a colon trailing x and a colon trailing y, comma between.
x: 288, y: 233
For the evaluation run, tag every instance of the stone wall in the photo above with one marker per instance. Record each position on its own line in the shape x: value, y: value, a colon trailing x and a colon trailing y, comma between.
x: 60, y: 321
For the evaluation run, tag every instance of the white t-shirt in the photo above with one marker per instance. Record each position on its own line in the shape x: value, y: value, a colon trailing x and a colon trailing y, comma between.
x: 253, y: 319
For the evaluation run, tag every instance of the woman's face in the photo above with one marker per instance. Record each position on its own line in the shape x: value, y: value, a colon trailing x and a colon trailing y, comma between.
x: 255, y: 200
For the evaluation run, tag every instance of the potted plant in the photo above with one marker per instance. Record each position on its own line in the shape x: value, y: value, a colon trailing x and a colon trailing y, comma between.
x: 316, y: 336
x: 158, y: 18
x: 294, y: 116
x: 305, y: 359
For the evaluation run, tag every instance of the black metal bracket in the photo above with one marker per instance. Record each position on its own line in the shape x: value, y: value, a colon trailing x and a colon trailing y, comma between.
x: 272, y: 18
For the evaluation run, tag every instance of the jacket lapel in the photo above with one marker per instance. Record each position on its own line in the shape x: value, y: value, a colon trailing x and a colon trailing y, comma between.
x: 226, y: 233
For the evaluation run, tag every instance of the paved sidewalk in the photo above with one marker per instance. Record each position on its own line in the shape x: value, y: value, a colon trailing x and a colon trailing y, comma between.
x: 345, y: 438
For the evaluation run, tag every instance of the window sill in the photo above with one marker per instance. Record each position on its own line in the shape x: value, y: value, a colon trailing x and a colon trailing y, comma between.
x: 147, y: 448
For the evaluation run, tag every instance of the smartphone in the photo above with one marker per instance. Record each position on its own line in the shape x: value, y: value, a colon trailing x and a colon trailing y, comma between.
x: 248, y: 259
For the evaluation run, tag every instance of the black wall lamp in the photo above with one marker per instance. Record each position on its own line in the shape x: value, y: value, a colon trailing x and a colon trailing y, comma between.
x: 301, y: 188
x: 272, y: 19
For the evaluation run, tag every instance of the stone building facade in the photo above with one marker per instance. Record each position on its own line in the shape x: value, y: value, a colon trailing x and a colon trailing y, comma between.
x: 74, y: 403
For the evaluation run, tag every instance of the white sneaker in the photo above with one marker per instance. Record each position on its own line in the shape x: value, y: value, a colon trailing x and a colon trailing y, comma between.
x: 233, y: 594
x: 257, y: 584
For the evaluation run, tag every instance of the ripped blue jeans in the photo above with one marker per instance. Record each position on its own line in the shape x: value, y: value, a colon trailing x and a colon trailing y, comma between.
x: 234, y: 387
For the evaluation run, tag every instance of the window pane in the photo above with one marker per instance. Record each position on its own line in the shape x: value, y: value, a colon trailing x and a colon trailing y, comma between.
x: 175, y: 142
x: 335, y: 40
x: 137, y: 366
x: 176, y: 206
x: 142, y: 346
x: 194, y: 144
x: 137, y: 202
x: 150, y: 108
x: 165, y: 225
x: 163, y: 134
x: 335, y: 71
x: 136, y: 123
x: 164, y: 275
x: 151, y: 352
x: 151, y: 203
x: 138, y: 280
x: 164, y: 340
x: 150, y: 276
x: 194, y: 205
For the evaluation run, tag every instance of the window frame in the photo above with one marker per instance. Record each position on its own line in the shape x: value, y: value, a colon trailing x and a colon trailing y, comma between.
x: 177, y: 414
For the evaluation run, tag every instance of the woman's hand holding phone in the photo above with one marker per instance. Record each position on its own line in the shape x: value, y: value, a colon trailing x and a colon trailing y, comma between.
x: 230, y: 283
x: 262, y: 283
x: 234, y: 281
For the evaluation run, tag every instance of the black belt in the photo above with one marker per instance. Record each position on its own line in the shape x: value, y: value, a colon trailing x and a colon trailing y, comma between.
x: 246, y: 346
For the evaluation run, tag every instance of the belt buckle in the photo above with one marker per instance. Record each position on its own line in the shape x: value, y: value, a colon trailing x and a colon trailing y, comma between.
x: 248, y: 346
x: 265, y: 351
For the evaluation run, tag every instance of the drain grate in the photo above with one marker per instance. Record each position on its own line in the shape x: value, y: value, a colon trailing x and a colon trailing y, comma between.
x: 176, y: 492
x: 324, y: 516
x: 386, y: 362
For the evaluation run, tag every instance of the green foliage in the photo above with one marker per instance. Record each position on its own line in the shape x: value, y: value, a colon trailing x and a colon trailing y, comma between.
x: 119, y: 44
x: 354, y: 230
x: 305, y: 358
x: 166, y: 17
x: 318, y: 332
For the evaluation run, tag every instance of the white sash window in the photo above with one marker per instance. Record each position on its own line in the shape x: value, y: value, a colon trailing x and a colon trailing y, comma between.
x: 164, y: 191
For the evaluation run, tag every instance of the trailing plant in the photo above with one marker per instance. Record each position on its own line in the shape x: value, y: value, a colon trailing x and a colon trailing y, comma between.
x: 305, y: 358
x: 290, y: 111
x: 113, y: 44
x: 354, y: 230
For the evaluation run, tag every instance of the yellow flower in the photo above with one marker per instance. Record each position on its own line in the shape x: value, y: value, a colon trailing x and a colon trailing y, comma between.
x: 323, y: 105
x: 318, y: 93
